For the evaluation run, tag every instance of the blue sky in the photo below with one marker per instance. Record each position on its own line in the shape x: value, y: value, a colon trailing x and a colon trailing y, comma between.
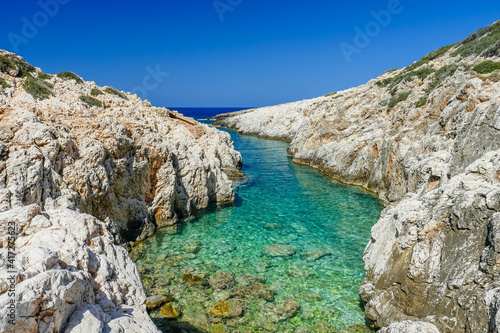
x: 261, y: 53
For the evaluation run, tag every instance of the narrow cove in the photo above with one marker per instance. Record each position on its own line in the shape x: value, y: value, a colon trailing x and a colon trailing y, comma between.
x: 292, y: 236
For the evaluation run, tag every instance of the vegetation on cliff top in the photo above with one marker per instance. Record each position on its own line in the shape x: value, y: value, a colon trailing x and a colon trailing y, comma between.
x: 113, y: 91
x: 70, y: 76
x: 9, y: 65
x: 45, y: 76
x: 38, y: 88
x: 484, y: 42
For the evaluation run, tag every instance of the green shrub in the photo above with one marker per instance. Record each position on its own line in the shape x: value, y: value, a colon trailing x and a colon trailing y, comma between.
x: 23, y: 67
x: 91, y: 101
x: 487, y: 67
x: 397, y: 99
x: 421, y: 102
x: 4, y: 83
x: 70, y: 76
x: 113, y: 91
x: 38, y: 88
x: 96, y: 92
x: 390, y: 70
x: 482, y: 41
x: 44, y: 76
x: 330, y: 94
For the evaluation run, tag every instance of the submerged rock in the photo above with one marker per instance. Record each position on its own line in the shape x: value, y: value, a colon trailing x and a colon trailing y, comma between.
x: 221, y: 280
x: 315, y: 254
x: 283, y: 310
x: 324, y: 327
x: 255, y: 290
x: 309, y: 297
x: 153, y: 302
x: 279, y: 250
x: 228, y: 309
x: 248, y: 279
x: 192, y: 246
x: 193, y: 278
x: 293, y: 272
x: 170, y: 311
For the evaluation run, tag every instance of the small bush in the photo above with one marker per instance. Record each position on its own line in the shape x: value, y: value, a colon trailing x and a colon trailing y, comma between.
x: 24, y: 69
x: 96, y: 92
x: 44, y: 76
x: 38, y: 88
x: 487, y: 67
x: 421, y: 102
x: 4, y: 83
x: 91, y: 101
x: 398, y: 99
x: 113, y: 91
x: 70, y: 76
x: 330, y: 94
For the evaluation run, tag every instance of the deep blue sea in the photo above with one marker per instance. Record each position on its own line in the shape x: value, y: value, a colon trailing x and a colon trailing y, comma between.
x: 206, y: 113
x: 278, y: 203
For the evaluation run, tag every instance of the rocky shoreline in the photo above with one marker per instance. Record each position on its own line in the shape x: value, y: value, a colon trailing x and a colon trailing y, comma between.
x: 425, y: 139
x: 85, y: 169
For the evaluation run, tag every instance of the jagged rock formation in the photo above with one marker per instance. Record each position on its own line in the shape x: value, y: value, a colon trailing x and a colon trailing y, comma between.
x: 426, y: 139
x: 83, y: 168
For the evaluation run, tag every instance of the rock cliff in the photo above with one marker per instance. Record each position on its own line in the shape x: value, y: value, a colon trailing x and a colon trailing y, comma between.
x: 82, y: 169
x: 426, y: 139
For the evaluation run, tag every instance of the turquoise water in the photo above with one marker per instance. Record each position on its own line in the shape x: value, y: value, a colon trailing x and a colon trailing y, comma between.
x: 277, y: 203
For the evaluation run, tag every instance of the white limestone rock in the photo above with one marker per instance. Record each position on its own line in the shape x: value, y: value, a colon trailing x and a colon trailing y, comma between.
x: 78, y: 180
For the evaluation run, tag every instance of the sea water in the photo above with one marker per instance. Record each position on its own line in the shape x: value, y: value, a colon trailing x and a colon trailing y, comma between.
x: 277, y: 203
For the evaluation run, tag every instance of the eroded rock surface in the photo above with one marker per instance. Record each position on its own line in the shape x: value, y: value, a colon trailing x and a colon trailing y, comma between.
x: 76, y: 180
x: 425, y: 138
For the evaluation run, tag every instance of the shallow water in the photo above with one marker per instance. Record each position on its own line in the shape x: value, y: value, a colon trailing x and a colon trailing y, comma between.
x: 278, y: 203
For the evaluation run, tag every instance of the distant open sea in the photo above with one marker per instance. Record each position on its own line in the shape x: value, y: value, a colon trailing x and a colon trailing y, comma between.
x: 205, y: 113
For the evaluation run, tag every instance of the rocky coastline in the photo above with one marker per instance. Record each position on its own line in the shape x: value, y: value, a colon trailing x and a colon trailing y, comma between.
x: 425, y: 138
x: 87, y: 171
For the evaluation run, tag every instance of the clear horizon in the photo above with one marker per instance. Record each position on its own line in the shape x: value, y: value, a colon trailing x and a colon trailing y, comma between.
x: 224, y: 53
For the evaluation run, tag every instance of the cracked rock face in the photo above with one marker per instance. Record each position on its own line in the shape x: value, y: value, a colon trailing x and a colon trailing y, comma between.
x: 76, y: 180
x: 434, y: 158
